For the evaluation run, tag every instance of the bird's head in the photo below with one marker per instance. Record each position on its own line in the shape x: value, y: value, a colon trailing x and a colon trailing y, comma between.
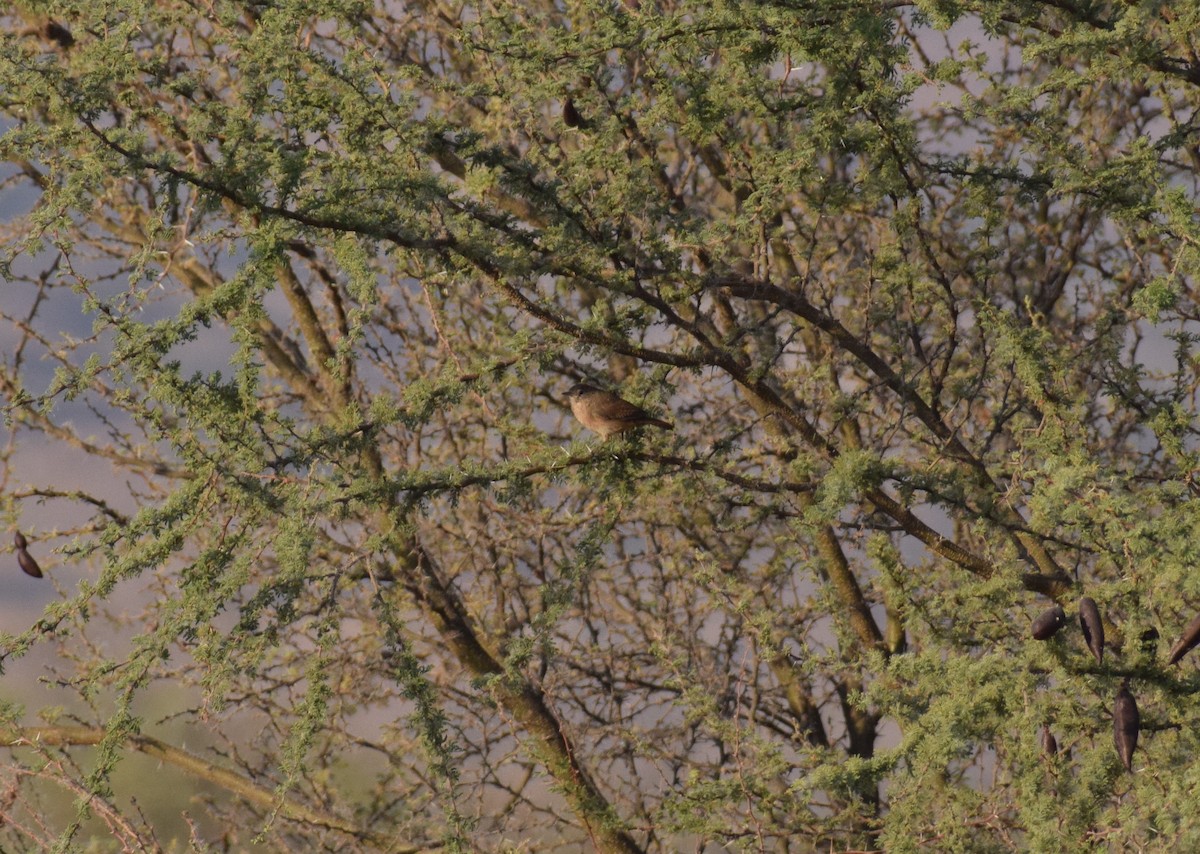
x: 579, y: 390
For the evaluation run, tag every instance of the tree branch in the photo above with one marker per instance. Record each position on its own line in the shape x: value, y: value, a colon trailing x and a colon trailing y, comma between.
x: 263, y: 798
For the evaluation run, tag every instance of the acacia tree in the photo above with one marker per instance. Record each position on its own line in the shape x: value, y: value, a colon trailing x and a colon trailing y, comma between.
x: 916, y: 284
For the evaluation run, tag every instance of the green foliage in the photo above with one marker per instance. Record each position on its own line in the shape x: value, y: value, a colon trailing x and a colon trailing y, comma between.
x: 915, y: 286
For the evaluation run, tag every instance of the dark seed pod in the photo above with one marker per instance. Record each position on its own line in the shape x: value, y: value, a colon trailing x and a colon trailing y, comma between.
x: 1190, y: 637
x: 1049, y: 742
x: 59, y: 34
x: 570, y: 114
x: 1149, y: 642
x: 28, y: 565
x: 1093, y: 627
x: 1049, y: 622
x: 19, y: 541
x: 1126, y: 725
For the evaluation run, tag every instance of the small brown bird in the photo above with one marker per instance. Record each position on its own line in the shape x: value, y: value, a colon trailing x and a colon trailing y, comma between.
x: 1189, y: 638
x: 1049, y: 622
x: 1126, y: 725
x: 24, y: 559
x: 1093, y: 627
x: 607, y: 414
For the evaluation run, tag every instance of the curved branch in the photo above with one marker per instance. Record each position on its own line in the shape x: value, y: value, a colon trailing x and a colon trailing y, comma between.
x: 737, y: 286
x: 548, y: 741
x: 232, y: 782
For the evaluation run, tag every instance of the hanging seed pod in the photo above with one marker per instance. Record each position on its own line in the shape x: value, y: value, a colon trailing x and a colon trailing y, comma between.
x: 570, y: 114
x: 1049, y: 742
x: 28, y: 565
x: 24, y: 559
x: 1093, y: 627
x: 1049, y: 622
x: 1149, y: 642
x: 1190, y: 637
x: 1126, y: 725
x: 58, y: 34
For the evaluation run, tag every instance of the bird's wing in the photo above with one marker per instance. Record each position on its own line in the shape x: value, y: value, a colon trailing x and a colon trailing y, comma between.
x: 622, y: 410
